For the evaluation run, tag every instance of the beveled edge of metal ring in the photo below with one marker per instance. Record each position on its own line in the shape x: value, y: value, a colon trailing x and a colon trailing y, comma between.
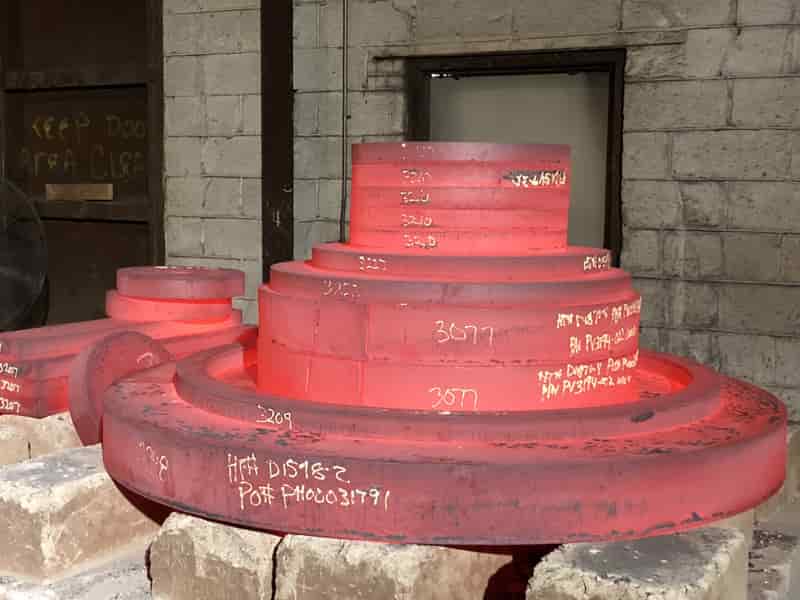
x: 699, y: 398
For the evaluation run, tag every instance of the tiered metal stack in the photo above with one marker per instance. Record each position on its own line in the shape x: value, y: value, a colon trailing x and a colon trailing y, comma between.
x: 456, y: 374
x: 187, y: 309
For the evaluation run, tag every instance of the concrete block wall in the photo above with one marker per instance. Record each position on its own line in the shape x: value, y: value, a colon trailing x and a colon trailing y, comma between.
x: 212, y: 89
x: 711, y: 165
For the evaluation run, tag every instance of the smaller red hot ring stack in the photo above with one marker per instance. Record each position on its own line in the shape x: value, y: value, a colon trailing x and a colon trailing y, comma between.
x: 455, y: 374
x: 186, y: 309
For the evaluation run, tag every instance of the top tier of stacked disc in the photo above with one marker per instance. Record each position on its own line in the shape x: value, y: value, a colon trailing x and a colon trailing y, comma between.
x: 457, y: 291
x: 462, y: 199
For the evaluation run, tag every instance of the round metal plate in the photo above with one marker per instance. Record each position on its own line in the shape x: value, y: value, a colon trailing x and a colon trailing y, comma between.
x: 277, y: 464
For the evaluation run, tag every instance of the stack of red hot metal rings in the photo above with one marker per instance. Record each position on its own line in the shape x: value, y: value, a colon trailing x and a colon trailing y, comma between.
x: 455, y: 374
x: 187, y: 309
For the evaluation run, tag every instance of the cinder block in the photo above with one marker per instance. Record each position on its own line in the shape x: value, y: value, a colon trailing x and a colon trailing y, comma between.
x: 232, y: 157
x: 194, y: 559
x: 768, y: 206
x: 693, y: 305
x: 707, y: 564
x: 706, y: 50
x: 376, y: 113
x: 762, y: 309
x: 224, y: 115
x: 383, y: 22
x: 750, y: 357
x: 655, y: 62
x: 644, y: 155
x: 640, y: 14
x: 305, y: 200
x: 232, y: 238
x: 63, y: 510
x: 222, y: 197
x: 692, y: 254
x: 766, y: 102
x: 790, y: 258
x: 654, y: 301
x: 651, y: 204
x: 330, y: 199
x: 454, y: 20
x: 23, y: 438
x: 758, y: 51
x: 767, y: 12
x: 321, y: 568
x: 553, y: 16
x: 250, y: 31
x: 179, y: 6
x: 306, y: 113
x: 309, y: 234
x: 183, y: 156
x: 183, y: 76
x: 676, y: 105
x: 317, y: 69
x: 226, y: 74
x: 751, y: 256
x: 695, y: 345
x: 181, y: 33
x: 184, y: 236
x: 787, y: 361
x: 305, y: 22
x: 650, y: 338
x: 330, y: 113
x: 330, y: 24
x: 704, y: 203
x: 731, y: 154
x: 184, y: 196
x: 641, y: 252
x: 185, y: 116
x: 318, y: 158
x: 252, y: 198
x: 251, y: 108
x: 220, y: 32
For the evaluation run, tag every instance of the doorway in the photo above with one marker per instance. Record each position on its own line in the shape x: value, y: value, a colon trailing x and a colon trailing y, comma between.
x: 572, y: 98
x: 81, y: 108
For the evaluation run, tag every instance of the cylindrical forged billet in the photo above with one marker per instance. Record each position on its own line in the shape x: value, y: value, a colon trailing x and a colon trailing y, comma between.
x: 100, y: 365
x: 130, y: 308
x: 262, y: 465
x: 460, y: 198
x: 180, y: 283
x: 569, y: 263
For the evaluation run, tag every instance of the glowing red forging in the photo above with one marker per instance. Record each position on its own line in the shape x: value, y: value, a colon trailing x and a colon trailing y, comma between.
x: 100, y: 365
x: 130, y: 308
x: 397, y: 475
x: 473, y: 391
x: 180, y: 283
x: 35, y: 364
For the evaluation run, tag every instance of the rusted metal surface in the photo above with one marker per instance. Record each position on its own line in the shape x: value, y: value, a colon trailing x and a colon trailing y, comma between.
x: 390, y: 398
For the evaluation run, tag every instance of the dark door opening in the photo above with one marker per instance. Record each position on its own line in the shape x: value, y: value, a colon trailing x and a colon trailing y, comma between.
x: 81, y: 106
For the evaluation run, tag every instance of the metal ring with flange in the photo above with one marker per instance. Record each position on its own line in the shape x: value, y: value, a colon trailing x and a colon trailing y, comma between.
x: 268, y: 468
